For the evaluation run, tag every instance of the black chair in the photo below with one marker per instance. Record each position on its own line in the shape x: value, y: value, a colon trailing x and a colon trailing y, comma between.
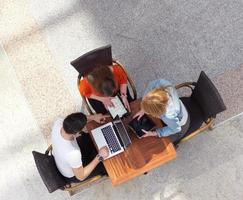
x: 53, y: 179
x: 87, y: 62
x: 203, y: 105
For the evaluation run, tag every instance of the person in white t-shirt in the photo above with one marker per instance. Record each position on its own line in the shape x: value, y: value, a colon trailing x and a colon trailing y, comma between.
x: 73, y: 150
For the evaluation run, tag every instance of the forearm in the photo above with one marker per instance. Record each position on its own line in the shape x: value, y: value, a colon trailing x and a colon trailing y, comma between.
x: 90, y: 167
x: 90, y: 118
x: 95, y: 97
x: 123, y: 89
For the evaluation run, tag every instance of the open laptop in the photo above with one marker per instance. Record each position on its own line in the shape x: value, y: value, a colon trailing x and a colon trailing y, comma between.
x: 113, y: 135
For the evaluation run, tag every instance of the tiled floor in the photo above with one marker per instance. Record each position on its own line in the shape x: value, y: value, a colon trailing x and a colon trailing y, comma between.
x: 19, y: 135
x: 154, y: 39
x: 207, y: 167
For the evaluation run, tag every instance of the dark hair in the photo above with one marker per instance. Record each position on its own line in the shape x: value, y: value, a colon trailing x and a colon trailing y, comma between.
x: 108, y: 87
x: 102, y: 79
x: 74, y: 123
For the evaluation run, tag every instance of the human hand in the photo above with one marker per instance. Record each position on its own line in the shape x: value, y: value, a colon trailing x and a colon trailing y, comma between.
x: 104, y: 152
x: 126, y: 103
x: 99, y: 118
x: 149, y: 133
x: 139, y: 114
x: 107, y: 101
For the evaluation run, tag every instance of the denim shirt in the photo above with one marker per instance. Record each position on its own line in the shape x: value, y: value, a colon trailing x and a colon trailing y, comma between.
x: 176, y: 114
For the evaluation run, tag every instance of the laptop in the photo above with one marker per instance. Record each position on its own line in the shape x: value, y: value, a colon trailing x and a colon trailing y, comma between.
x: 113, y: 135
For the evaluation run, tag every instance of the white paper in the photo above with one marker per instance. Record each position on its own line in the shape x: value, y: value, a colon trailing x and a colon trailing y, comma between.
x: 118, y: 108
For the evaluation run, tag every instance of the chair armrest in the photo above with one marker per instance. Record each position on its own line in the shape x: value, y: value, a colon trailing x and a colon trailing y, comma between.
x: 49, y: 150
x: 186, y: 84
x: 71, y: 189
x: 84, y: 100
x: 128, y: 77
x: 207, y: 125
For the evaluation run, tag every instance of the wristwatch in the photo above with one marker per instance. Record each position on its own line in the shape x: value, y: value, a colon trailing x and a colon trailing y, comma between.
x: 100, y: 158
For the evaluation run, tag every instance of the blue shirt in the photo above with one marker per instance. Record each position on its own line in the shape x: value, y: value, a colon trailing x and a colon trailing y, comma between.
x: 176, y: 114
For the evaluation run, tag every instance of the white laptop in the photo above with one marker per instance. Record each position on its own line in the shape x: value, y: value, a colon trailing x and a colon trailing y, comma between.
x: 113, y: 135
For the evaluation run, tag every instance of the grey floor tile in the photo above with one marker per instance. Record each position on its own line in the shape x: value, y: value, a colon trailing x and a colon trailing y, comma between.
x: 177, y: 39
x: 204, y: 168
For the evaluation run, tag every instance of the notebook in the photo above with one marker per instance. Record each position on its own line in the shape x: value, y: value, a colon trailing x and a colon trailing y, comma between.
x: 118, y: 109
x: 143, y: 123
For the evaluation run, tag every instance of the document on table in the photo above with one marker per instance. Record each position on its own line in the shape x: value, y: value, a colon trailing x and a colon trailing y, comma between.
x: 118, y: 108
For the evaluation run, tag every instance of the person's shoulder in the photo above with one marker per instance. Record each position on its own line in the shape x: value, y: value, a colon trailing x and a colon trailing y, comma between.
x: 170, y: 114
x: 58, y: 122
x: 117, y: 69
x: 56, y: 128
x: 74, y: 154
x: 161, y: 81
x: 84, y: 82
x: 73, y: 158
x: 85, y: 87
x: 115, y: 66
x: 119, y: 74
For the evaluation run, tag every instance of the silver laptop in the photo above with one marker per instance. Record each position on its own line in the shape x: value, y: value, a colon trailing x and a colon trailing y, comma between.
x: 113, y: 135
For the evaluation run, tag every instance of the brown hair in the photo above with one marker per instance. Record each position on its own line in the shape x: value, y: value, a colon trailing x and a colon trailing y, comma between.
x: 155, y: 102
x: 102, y: 79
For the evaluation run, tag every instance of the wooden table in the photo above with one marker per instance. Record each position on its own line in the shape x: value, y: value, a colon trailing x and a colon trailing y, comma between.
x: 141, y: 156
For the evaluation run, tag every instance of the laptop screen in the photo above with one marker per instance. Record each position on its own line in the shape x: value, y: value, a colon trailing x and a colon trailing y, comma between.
x: 122, y: 132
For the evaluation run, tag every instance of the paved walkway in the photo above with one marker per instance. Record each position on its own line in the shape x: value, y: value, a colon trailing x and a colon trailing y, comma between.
x: 172, y: 39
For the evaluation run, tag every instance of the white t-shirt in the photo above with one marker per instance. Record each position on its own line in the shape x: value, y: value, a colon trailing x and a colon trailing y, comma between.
x: 67, y: 153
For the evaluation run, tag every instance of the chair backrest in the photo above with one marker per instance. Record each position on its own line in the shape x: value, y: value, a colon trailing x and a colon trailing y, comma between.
x: 48, y: 171
x: 131, y: 88
x: 207, y: 96
x: 87, y: 62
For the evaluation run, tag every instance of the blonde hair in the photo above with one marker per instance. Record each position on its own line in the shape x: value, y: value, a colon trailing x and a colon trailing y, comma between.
x: 155, y: 102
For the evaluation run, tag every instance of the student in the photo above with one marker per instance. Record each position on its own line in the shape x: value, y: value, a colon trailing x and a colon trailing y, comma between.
x: 101, y: 84
x: 74, y: 153
x: 161, y: 100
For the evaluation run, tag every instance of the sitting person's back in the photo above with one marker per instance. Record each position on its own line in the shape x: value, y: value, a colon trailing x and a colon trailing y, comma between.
x: 161, y: 101
x: 101, y: 84
x: 67, y: 153
x: 75, y: 155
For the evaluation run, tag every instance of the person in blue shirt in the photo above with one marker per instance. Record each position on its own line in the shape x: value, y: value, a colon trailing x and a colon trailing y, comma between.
x: 161, y: 100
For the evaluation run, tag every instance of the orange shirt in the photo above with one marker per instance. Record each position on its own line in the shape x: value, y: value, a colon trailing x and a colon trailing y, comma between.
x: 120, y: 78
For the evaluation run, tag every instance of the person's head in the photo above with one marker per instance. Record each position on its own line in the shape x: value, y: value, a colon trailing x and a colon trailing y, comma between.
x: 74, y: 123
x: 155, y: 102
x: 102, y: 79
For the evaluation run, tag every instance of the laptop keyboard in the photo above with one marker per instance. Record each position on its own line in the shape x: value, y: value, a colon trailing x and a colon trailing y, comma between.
x: 111, y: 139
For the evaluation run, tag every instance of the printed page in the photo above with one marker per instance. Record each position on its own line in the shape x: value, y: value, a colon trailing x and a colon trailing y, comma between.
x: 118, y: 108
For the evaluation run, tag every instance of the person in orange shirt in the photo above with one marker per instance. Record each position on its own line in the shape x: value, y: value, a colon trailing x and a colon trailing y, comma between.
x: 101, y: 84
